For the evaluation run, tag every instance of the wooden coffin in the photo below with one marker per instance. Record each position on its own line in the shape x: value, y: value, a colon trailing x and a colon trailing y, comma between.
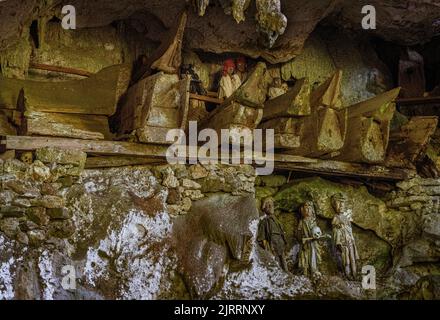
x: 97, y: 95
x: 253, y: 92
x: 322, y: 133
x: 368, y: 129
x: 153, y: 106
x: 410, y: 142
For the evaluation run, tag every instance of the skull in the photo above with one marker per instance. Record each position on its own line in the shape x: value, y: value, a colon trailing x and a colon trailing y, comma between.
x: 27, y: 157
x: 316, y: 232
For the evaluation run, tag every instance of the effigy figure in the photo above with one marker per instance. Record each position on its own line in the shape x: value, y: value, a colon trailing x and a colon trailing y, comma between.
x: 196, y: 85
x: 277, y: 88
x: 242, y: 71
x: 230, y: 81
x: 310, y: 235
x: 271, y: 235
x: 343, y: 235
x: 197, y: 108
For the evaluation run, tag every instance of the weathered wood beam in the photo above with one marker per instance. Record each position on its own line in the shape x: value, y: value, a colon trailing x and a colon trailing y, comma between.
x: 338, y: 168
x: 115, y: 161
x: 24, y: 143
x: 115, y: 148
x: 205, y: 98
x: 148, y: 151
x: 418, y: 101
x: 46, y: 67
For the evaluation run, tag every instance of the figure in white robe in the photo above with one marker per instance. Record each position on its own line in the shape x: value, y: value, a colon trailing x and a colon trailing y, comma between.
x: 343, y: 236
x: 230, y: 81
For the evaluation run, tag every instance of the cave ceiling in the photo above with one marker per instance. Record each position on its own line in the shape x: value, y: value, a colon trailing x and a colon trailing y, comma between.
x: 217, y: 31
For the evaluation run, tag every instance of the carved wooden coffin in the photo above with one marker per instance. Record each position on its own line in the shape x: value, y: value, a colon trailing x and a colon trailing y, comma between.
x: 55, y: 124
x: 97, y: 95
x: 322, y: 133
x: 153, y: 106
x: 369, y: 129
x: 409, y: 142
x: 296, y: 102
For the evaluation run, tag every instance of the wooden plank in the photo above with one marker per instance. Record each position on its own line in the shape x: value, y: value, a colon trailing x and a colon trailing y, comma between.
x: 97, y: 95
x: 128, y: 149
x: 115, y: 161
x: 46, y: 67
x: 65, y: 125
x: 337, y: 168
x: 205, y: 98
x: 113, y: 148
x: 418, y: 101
x: 24, y: 143
x: 6, y: 127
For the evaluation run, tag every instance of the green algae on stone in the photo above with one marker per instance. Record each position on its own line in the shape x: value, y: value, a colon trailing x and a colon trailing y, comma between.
x: 369, y: 212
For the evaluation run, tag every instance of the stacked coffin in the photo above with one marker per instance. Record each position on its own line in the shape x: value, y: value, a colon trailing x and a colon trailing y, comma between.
x: 74, y: 109
x: 153, y: 106
x: 308, y: 123
x: 243, y: 110
x: 315, y: 124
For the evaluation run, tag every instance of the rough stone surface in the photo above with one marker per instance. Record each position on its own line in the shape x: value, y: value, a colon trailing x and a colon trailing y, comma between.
x: 189, y: 232
x: 404, y: 22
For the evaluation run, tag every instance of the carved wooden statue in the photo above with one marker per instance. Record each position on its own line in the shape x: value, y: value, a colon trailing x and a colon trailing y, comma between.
x: 271, y: 235
x: 343, y: 238
x: 310, y: 235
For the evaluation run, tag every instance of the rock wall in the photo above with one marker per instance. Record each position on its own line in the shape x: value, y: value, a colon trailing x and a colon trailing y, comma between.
x: 152, y: 232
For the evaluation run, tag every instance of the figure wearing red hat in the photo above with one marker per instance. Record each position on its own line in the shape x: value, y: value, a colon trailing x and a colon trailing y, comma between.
x: 229, y: 81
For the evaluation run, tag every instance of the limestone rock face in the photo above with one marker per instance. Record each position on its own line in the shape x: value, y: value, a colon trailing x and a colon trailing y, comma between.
x: 405, y: 22
x: 218, y: 31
